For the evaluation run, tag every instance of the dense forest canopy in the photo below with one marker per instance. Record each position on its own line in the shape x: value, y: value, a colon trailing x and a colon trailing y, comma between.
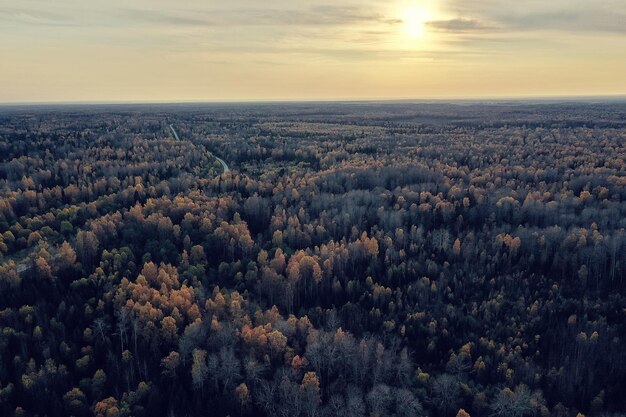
x: 359, y: 259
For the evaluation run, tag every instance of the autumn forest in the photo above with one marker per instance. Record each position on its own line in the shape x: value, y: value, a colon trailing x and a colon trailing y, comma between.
x: 346, y: 259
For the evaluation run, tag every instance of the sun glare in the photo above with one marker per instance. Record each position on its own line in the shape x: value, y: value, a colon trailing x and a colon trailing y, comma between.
x: 415, y: 18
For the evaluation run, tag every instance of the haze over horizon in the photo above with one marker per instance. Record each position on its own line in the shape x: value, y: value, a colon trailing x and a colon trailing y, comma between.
x: 298, y: 50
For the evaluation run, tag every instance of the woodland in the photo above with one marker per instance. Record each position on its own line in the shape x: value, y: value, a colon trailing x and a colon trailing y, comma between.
x: 358, y: 260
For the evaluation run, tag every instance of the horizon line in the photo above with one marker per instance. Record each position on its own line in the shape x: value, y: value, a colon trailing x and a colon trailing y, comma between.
x: 519, y: 98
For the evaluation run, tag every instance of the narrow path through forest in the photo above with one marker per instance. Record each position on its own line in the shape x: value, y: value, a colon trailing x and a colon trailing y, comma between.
x: 224, y: 164
x: 174, y: 132
x: 220, y: 160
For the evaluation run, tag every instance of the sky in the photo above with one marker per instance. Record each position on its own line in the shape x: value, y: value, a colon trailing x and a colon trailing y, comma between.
x: 239, y: 50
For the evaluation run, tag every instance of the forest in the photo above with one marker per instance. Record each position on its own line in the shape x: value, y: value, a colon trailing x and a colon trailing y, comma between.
x: 358, y: 260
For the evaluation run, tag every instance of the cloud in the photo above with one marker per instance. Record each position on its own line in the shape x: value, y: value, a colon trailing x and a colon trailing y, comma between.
x: 312, y: 16
x: 94, y: 16
x: 568, y: 16
x: 25, y: 16
x: 459, y: 26
x: 155, y: 17
x: 603, y: 21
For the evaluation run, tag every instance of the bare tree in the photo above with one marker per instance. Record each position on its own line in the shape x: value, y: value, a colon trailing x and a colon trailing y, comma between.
x: 445, y: 394
x: 379, y: 400
x: 407, y: 405
x: 509, y: 403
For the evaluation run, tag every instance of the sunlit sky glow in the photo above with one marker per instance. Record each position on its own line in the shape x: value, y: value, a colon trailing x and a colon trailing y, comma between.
x: 192, y: 50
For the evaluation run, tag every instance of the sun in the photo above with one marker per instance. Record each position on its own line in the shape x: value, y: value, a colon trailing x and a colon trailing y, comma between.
x: 415, y: 18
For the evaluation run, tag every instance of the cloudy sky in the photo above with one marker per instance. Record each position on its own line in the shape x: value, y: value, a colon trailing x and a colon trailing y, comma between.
x: 158, y: 50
